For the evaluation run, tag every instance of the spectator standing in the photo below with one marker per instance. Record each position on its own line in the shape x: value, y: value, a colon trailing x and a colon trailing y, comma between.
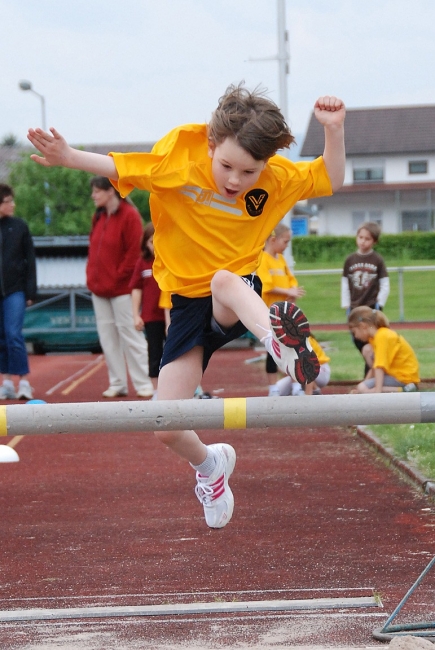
x: 145, y: 294
x: 114, y: 246
x: 17, y: 289
x: 365, y: 280
x: 278, y: 283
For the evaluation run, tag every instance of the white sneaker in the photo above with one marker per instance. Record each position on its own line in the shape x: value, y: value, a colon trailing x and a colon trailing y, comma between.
x: 213, y: 491
x: 290, y: 348
x: 146, y: 393
x: 7, y: 390
x: 274, y: 391
x: 115, y: 392
x: 25, y: 391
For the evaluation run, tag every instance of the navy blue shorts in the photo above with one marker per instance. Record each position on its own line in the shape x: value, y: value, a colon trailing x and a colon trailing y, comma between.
x: 191, y: 325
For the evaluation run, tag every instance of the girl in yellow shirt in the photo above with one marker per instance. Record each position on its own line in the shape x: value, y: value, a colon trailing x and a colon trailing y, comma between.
x: 395, y: 366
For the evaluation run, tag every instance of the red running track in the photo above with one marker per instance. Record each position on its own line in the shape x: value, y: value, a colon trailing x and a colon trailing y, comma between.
x: 107, y: 520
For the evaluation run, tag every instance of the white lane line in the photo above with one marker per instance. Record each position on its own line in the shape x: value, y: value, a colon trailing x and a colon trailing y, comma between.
x: 71, y: 378
x: 187, y: 608
x: 195, y: 594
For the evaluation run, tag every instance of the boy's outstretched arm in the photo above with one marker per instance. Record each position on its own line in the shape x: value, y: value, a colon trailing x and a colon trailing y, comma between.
x: 330, y: 112
x: 57, y: 152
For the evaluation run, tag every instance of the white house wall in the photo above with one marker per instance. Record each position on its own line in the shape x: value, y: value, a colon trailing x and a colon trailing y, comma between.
x: 395, y: 168
x: 335, y: 213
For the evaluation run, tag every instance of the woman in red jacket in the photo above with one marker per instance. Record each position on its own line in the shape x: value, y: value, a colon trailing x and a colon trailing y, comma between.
x: 114, y: 246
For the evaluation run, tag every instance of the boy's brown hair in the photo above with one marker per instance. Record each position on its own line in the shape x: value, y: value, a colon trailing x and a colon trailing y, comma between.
x: 253, y: 120
x: 373, y: 228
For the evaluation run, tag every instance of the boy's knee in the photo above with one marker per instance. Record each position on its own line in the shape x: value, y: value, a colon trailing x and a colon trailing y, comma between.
x: 221, y: 280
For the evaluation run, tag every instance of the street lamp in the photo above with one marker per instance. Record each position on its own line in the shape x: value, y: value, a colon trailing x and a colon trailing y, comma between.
x: 26, y: 85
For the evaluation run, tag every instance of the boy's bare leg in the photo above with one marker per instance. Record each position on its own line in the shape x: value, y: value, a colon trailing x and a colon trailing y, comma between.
x: 178, y: 380
x: 215, y: 463
x: 288, y: 344
x: 234, y: 300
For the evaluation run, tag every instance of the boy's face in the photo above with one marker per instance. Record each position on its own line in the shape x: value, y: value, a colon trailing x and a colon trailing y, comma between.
x: 234, y: 169
x: 7, y: 207
x: 364, y: 241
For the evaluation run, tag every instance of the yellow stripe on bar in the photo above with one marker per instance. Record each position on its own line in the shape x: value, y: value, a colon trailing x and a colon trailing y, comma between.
x: 3, y: 421
x: 235, y: 413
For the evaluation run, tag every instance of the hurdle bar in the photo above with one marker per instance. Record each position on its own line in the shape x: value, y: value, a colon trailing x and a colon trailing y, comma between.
x: 227, y: 413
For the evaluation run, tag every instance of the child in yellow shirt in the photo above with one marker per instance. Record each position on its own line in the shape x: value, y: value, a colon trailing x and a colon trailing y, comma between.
x: 395, y: 366
x: 217, y: 191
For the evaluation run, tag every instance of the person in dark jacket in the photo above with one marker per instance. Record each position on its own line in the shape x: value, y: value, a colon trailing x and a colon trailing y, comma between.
x: 17, y: 289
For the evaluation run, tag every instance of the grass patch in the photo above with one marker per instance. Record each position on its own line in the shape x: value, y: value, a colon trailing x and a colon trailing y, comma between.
x: 411, y: 442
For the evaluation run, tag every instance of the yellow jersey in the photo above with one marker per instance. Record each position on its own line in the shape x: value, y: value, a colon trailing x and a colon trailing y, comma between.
x: 274, y: 272
x: 395, y: 356
x: 320, y: 352
x: 198, y: 231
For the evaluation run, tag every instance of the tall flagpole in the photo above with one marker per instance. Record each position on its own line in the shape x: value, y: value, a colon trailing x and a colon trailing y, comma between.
x: 283, y: 58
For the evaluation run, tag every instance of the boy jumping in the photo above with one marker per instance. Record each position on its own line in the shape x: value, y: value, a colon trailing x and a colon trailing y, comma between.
x: 216, y: 193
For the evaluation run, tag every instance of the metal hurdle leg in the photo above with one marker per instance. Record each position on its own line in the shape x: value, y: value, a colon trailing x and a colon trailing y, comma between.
x: 425, y: 629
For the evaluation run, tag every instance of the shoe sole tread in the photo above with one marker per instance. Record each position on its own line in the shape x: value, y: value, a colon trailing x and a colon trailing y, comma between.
x: 291, y: 328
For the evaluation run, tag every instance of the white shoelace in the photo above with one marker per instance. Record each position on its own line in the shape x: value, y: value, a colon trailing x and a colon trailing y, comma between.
x: 203, y: 492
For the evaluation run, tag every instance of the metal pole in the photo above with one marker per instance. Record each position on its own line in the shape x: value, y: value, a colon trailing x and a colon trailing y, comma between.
x: 44, y: 121
x: 283, y: 63
x: 283, y: 58
x: 401, y: 299
x: 228, y: 413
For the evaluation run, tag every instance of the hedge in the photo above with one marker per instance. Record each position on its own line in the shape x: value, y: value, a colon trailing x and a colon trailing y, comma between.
x: 327, y: 248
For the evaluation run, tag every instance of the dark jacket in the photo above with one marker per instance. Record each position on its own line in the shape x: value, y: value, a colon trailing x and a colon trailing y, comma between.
x: 114, y: 248
x: 17, y: 258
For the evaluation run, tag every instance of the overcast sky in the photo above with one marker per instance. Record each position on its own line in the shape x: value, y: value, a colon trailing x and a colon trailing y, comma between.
x: 114, y: 71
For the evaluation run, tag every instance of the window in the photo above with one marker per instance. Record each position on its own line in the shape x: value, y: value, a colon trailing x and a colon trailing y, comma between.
x: 359, y: 216
x: 368, y: 175
x: 417, y: 220
x: 417, y: 167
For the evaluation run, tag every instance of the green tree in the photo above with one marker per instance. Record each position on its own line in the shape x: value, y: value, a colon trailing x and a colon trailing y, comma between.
x: 56, y: 200
x: 9, y: 140
x: 141, y: 199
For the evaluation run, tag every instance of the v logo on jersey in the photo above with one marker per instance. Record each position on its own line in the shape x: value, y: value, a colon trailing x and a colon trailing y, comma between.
x: 255, y: 201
